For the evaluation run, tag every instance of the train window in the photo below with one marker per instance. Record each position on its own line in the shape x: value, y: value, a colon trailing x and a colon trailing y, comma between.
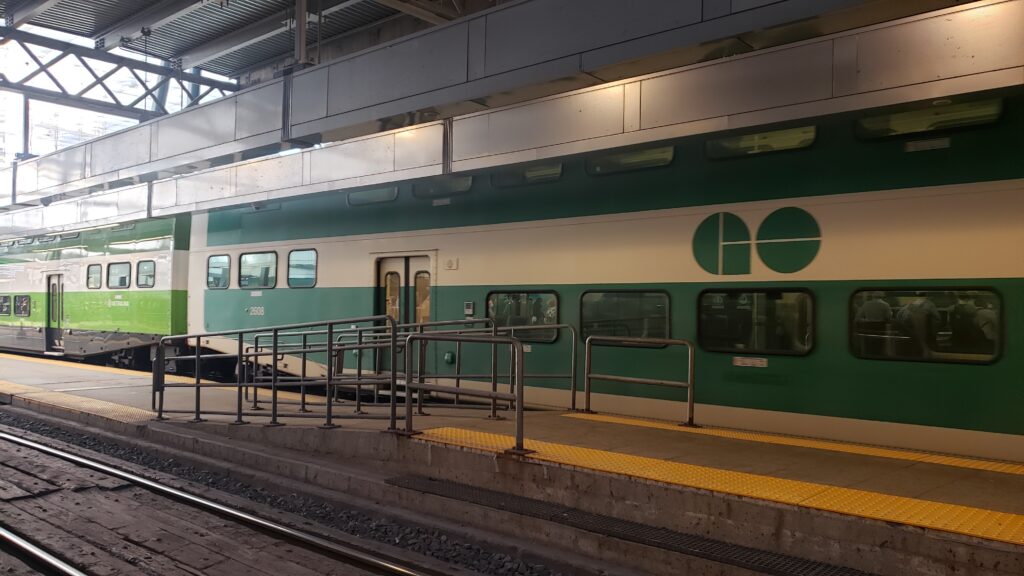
x: 94, y: 276
x: 526, y: 175
x: 632, y: 313
x: 756, y: 321
x: 5, y: 305
x: 145, y: 274
x: 630, y: 160
x: 941, y: 115
x: 218, y: 272
x: 119, y: 275
x: 258, y: 270
x: 525, y: 309
x: 422, y: 293
x: 302, y: 268
x: 947, y: 325
x: 374, y: 196
x: 23, y: 305
x: 760, y: 142
x: 442, y: 186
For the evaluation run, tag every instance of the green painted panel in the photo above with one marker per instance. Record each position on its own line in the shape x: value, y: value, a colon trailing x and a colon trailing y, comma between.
x: 838, y: 163
x: 736, y: 259
x: 828, y: 381
x: 788, y: 257
x: 143, y: 312
x: 37, y: 314
x: 140, y: 236
x: 786, y: 223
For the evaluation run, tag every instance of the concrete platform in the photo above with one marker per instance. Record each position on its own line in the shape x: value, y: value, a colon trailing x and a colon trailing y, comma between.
x: 872, y: 508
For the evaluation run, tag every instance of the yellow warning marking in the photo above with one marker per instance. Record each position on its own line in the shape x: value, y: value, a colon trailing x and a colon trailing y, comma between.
x: 81, y: 404
x: 94, y: 368
x: 976, y: 522
x: 830, y: 445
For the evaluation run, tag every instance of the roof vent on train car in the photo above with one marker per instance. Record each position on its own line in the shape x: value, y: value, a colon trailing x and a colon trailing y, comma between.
x: 630, y: 160
x: 938, y: 115
x: 760, y: 142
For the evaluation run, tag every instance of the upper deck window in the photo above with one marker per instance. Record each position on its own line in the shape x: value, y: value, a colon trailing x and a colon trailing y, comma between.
x: 526, y: 175
x: 218, y: 271
x: 94, y: 276
x: 630, y: 160
x: 302, y: 268
x: 442, y: 186
x: 934, y: 117
x: 372, y: 196
x: 145, y: 274
x: 760, y: 142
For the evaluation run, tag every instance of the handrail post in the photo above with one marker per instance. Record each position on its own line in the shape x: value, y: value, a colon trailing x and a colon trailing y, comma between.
x: 421, y: 368
x: 240, y: 379
x: 302, y: 377
x: 520, y: 395
x: 458, y: 369
x: 689, y: 388
x: 159, y: 376
x: 273, y: 380
x: 572, y: 367
x: 408, y: 381
x: 198, y: 381
x: 494, y: 372
x: 328, y: 393
x: 393, y: 353
x: 359, y: 372
x: 587, y: 365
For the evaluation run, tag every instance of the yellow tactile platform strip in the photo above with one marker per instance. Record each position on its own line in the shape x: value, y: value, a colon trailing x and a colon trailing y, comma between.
x: 833, y: 446
x: 976, y: 522
x: 101, y: 408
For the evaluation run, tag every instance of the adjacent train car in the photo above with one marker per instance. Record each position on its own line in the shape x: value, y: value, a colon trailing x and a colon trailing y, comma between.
x: 111, y: 291
x: 856, y: 275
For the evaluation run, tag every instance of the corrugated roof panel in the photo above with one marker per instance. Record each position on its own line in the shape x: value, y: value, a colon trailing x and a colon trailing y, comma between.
x: 90, y: 17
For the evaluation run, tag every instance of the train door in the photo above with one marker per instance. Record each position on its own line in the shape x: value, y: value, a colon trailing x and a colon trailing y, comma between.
x: 55, y: 313
x: 403, y: 288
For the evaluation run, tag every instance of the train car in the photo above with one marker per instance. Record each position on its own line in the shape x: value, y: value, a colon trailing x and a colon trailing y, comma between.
x: 108, y: 292
x: 856, y: 276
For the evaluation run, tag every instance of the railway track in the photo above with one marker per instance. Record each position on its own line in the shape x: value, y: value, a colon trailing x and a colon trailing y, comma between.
x: 65, y: 514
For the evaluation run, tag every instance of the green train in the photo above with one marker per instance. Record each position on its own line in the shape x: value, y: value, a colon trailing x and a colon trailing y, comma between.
x: 856, y: 275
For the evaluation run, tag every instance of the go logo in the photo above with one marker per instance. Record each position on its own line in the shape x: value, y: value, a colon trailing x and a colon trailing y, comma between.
x: 787, y: 241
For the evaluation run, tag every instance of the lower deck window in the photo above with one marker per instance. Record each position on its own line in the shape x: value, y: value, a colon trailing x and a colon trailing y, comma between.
x: 5, y: 305
x: 302, y: 268
x: 258, y: 270
x: 145, y: 276
x: 756, y: 322
x: 94, y: 276
x: 119, y: 275
x: 218, y: 272
x: 525, y: 309
x: 634, y: 314
x: 930, y: 325
x: 22, y: 305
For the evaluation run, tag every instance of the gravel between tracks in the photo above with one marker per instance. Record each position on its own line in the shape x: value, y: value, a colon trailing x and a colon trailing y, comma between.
x: 433, y: 543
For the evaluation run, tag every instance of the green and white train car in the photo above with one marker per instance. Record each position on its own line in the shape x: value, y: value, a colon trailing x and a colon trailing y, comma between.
x: 857, y: 275
x: 110, y: 291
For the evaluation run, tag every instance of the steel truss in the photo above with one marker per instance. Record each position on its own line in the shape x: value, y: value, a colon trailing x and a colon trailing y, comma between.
x: 154, y: 79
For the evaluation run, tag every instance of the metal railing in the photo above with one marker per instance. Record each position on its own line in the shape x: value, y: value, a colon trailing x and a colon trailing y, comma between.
x: 514, y: 395
x: 249, y: 359
x: 589, y: 375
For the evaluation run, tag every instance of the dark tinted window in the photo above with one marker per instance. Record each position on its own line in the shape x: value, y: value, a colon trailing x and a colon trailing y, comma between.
x: 627, y: 313
x: 760, y: 142
x: 5, y: 305
x: 931, y: 325
x: 930, y: 119
x: 94, y: 276
x: 119, y: 275
x: 22, y: 306
x: 757, y: 322
x: 442, y: 186
x: 526, y: 175
x: 525, y: 309
x: 218, y: 272
x: 630, y: 160
x: 373, y: 196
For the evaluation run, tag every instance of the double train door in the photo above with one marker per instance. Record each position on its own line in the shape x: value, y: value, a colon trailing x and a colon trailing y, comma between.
x: 55, y: 313
x: 403, y: 288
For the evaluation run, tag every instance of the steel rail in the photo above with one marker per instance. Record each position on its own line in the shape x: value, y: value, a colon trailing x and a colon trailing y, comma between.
x: 37, y: 555
x: 311, y: 540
